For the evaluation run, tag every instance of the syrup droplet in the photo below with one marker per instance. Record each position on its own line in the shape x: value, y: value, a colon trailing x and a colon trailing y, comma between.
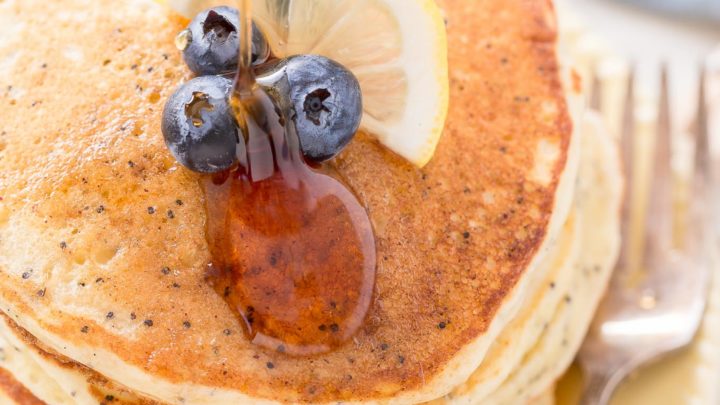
x: 293, y: 250
x: 182, y: 40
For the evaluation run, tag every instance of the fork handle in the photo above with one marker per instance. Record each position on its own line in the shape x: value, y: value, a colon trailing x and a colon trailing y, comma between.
x: 600, y: 386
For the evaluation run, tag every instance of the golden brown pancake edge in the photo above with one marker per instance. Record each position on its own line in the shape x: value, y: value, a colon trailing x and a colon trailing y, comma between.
x: 84, y: 174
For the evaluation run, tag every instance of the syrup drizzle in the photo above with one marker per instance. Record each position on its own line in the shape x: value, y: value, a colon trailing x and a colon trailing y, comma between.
x: 293, y: 249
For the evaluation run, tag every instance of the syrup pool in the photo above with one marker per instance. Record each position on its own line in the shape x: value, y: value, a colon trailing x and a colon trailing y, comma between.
x: 293, y: 251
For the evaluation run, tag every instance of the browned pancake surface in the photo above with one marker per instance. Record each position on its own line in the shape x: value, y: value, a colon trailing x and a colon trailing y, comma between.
x: 16, y: 391
x: 99, y: 387
x: 82, y: 158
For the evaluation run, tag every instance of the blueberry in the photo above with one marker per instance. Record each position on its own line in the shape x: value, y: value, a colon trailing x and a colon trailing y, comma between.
x: 199, y: 127
x: 326, y: 99
x: 211, y: 47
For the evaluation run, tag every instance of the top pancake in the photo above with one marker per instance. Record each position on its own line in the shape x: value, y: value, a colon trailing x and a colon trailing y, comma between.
x: 82, y: 84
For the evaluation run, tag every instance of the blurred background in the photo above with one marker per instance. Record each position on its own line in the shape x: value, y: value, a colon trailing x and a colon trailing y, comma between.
x: 608, y: 38
x: 701, y: 9
x: 682, y: 33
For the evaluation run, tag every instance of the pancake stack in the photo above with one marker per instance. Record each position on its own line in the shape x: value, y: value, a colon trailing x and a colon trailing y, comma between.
x: 491, y: 259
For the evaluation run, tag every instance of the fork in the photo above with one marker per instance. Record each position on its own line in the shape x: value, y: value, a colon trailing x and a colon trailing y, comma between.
x: 649, y: 313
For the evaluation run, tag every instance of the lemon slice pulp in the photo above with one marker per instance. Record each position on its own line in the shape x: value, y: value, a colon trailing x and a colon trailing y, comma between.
x: 396, y: 48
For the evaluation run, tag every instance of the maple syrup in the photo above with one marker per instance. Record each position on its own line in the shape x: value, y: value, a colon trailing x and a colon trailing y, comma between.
x: 293, y: 251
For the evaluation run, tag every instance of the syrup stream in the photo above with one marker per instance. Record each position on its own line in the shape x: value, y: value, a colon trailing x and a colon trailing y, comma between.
x: 293, y: 251
x: 245, y: 77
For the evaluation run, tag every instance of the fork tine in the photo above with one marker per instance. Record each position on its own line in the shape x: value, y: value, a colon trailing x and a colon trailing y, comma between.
x: 703, y: 182
x: 661, y: 311
x: 626, y: 145
x: 702, y: 142
x: 595, y: 93
x: 658, y: 229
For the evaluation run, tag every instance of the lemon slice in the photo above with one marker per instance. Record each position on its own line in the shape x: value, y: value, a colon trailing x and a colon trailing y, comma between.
x: 396, y: 48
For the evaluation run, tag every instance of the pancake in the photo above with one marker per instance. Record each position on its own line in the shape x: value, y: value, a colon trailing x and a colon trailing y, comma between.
x: 24, y: 375
x: 556, y: 327
x: 54, y: 379
x: 539, y: 344
x: 459, y: 241
x: 508, y: 350
x: 547, y: 398
x: 12, y: 392
x: 598, y: 198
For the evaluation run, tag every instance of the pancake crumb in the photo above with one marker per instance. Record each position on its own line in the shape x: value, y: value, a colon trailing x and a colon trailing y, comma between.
x: 85, y: 329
